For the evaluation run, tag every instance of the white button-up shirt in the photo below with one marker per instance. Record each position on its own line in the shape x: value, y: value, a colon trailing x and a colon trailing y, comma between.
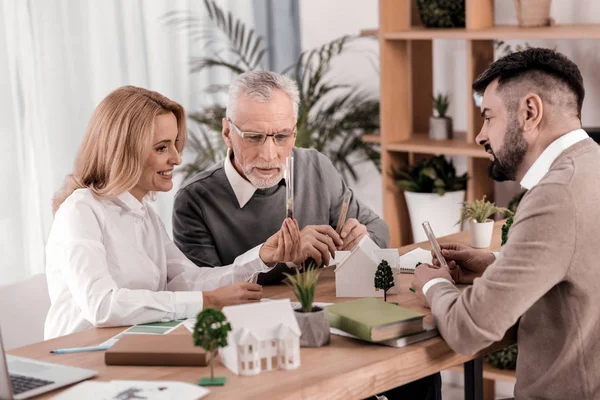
x: 111, y: 263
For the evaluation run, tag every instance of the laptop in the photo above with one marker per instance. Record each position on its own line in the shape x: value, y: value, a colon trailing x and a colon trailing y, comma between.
x: 22, y: 378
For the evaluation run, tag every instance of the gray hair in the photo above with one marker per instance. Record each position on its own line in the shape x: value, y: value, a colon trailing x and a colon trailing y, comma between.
x: 259, y: 85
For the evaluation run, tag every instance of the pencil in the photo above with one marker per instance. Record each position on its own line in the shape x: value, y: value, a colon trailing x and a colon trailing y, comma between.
x: 343, y: 213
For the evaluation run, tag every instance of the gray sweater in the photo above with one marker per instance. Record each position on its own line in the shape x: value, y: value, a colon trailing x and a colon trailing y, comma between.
x: 212, y: 230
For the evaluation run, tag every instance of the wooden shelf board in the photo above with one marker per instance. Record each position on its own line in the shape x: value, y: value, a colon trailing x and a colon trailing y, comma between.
x: 577, y: 31
x: 492, y: 373
x: 369, y: 32
x: 373, y: 138
x: 420, y: 143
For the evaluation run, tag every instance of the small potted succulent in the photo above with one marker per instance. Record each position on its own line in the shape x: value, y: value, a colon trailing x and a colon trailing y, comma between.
x: 433, y: 192
x: 440, y: 126
x: 477, y: 214
x: 210, y: 333
x: 313, y: 321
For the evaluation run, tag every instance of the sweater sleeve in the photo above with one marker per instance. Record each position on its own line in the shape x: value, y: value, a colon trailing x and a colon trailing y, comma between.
x: 338, y: 189
x: 536, y: 257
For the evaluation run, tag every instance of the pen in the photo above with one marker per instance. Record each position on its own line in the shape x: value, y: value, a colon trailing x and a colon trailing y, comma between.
x: 81, y: 349
x: 343, y: 213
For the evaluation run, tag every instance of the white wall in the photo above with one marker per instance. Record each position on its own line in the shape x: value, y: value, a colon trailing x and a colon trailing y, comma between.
x: 322, y: 21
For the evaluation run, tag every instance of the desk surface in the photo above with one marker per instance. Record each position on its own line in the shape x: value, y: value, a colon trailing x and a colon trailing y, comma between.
x: 344, y: 369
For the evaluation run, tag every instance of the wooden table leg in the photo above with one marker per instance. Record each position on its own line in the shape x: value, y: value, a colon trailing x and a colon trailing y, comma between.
x: 489, y: 389
x: 474, y: 379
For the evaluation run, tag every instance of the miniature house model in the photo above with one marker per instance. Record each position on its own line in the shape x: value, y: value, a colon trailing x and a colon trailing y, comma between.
x: 264, y: 336
x: 355, y: 271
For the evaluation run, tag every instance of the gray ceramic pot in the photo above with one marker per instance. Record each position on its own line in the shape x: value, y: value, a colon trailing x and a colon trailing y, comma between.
x: 314, y: 327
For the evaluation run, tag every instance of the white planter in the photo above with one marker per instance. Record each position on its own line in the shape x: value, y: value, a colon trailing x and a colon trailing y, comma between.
x: 440, y: 128
x: 442, y: 212
x: 480, y: 233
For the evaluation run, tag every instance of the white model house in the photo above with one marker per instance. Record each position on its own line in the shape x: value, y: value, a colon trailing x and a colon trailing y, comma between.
x: 264, y: 336
x: 355, y: 271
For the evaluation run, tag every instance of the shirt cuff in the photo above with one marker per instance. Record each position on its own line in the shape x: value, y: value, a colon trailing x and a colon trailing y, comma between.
x: 249, y: 265
x: 496, y: 254
x: 187, y: 304
x: 432, y: 282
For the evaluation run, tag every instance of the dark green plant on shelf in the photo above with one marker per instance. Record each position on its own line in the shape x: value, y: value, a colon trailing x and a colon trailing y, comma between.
x: 441, y: 104
x: 442, y: 13
x: 384, y: 278
x: 504, y: 358
x: 332, y: 115
x: 432, y: 175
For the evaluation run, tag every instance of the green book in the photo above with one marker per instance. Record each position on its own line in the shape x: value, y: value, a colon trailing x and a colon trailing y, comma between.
x: 374, y: 320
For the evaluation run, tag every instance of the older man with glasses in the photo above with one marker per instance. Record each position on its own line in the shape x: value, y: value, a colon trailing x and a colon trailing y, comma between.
x: 233, y: 207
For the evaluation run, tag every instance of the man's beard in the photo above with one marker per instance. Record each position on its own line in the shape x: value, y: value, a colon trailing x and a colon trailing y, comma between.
x: 510, y: 156
x: 263, y: 182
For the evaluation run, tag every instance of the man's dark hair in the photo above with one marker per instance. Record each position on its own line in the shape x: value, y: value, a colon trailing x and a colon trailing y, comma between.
x: 546, y: 69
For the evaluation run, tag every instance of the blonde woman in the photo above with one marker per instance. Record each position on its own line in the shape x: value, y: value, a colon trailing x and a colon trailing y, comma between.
x: 109, y: 260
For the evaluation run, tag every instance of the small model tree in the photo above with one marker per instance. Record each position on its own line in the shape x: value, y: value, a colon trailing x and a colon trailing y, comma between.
x: 210, y: 333
x: 384, y: 278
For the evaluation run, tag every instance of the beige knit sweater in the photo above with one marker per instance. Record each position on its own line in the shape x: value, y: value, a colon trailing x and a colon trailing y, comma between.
x: 547, y: 279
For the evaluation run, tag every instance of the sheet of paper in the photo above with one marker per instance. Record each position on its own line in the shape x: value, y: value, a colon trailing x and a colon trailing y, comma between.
x: 122, y: 390
x: 408, y: 261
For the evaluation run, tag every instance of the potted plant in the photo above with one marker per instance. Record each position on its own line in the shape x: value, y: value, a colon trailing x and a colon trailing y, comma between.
x: 440, y: 126
x: 384, y: 278
x: 433, y: 193
x: 313, y: 321
x: 442, y: 13
x: 210, y: 333
x: 477, y: 214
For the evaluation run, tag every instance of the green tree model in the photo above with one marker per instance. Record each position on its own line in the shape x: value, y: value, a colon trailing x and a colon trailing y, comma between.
x: 210, y: 333
x: 384, y: 279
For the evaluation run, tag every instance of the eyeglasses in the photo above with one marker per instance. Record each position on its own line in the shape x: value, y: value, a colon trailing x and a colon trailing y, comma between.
x: 256, y: 139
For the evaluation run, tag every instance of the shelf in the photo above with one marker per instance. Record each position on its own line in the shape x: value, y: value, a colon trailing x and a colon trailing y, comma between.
x: 369, y: 32
x: 578, y: 31
x: 371, y: 138
x: 489, y: 372
x: 420, y: 143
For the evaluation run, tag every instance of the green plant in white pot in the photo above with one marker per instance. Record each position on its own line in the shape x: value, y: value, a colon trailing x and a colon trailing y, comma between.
x: 478, y: 215
x: 313, y: 321
x: 440, y: 126
x: 434, y: 193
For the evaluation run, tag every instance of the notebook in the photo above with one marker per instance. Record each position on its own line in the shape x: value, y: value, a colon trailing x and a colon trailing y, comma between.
x: 165, y: 350
x: 374, y: 320
x: 408, y: 261
x: 155, y: 390
x: 429, y: 332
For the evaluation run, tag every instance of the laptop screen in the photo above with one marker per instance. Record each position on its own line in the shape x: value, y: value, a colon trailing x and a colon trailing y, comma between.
x: 5, y: 385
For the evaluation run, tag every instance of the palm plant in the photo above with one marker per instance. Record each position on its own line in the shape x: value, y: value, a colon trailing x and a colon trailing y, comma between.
x: 432, y: 175
x: 332, y: 117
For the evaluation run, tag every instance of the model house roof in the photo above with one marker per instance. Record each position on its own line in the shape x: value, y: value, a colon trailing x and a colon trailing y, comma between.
x: 366, y: 246
x: 263, y: 320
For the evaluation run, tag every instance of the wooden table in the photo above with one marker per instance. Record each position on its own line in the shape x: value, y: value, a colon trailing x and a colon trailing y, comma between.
x: 345, y: 369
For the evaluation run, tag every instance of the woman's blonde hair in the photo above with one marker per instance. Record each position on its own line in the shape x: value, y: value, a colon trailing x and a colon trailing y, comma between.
x: 117, y: 142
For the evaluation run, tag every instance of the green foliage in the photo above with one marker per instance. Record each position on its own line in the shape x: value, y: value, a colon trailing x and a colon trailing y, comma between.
x: 503, y: 359
x: 505, y: 229
x: 304, y: 285
x: 441, y: 104
x: 480, y: 211
x: 442, y: 13
x: 433, y: 175
x: 332, y: 116
x: 210, y: 332
x: 384, y: 278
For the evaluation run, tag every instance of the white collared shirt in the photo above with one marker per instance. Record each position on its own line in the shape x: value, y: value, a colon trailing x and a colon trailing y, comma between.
x: 111, y: 263
x: 541, y: 166
x: 243, y: 189
x: 535, y: 173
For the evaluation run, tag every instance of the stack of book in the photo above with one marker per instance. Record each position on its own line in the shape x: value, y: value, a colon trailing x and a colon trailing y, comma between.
x: 374, y: 320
